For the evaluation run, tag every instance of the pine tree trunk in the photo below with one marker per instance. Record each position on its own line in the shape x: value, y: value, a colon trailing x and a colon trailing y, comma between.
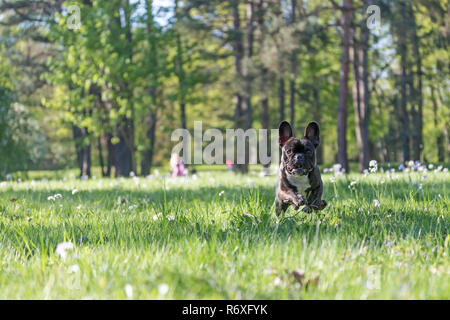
x: 151, y: 116
x: 147, y: 155
x: 418, y: 143
x: 244, y: 117
x: 346, y: 21
x: 404, y: 132
x: 281, y: 97
x: 293, y: 69
x: 361, y: 95
x: 263, y: 84
x: 440, y: 137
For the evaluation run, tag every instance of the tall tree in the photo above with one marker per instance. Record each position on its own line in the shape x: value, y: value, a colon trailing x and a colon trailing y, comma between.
x: 359, y: 55
x: 346, y: 34
x: 153, y: 68
x: 293, y: 69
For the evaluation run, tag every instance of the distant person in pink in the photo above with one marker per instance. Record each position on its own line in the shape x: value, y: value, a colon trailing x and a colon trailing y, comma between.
x: 177, y: 165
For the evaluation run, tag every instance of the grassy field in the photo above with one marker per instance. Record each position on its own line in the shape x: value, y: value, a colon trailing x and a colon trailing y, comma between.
x: 217, y: 237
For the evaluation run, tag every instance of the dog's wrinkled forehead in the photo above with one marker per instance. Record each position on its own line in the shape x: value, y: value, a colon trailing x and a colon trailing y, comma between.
x: 299, y: 145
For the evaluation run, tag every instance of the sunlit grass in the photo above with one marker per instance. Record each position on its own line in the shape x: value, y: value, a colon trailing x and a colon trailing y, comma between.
x: 217, y: 237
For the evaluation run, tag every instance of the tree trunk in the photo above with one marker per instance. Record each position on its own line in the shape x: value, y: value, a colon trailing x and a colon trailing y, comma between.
x: 180, y: 73
x: 147, y: 156
x: 293, y: 69
x: 100, y: 155
x: 361, y: 95
x: 264, y: 81
x: 346, y: 21
x: 111, y: 159
x: 404, y: 132
x: 281, y: 97
x: 244, y: 113
x: 317, y: 114
x: 83, y: 151
x: 418, y: 143
x: 122, y: 153
x: 151, y: 116
x: 439, y: 137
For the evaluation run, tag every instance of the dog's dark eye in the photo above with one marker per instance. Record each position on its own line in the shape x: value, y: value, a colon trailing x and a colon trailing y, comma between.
x: 289, y: 151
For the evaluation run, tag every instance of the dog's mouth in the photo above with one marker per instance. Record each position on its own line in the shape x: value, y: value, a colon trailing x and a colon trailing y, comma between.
x: 297, y: 171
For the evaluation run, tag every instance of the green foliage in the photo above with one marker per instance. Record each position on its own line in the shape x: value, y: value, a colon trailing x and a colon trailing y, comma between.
x: 20, y: 141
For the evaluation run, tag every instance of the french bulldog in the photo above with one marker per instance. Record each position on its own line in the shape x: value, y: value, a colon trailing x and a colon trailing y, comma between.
x: 299, y: 181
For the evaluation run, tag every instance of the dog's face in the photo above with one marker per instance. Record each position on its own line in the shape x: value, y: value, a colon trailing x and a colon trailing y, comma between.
x: 299, y: 155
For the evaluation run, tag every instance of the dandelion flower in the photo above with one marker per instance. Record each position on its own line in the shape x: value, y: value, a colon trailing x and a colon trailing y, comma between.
x: 163, y: 289
x: 63, y: 247
x: 129, y: 291
x: 73, y: 269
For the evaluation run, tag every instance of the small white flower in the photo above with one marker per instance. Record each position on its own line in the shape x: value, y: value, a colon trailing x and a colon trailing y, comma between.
x: 376, y: 203
x: 74, y: 191
x: 352, y: 184
x: 277, y: 281
x: 8, y: 177
x: 171, y: 218
x: 268, y: 271
x: 132, y: 207
x: 221, y: 193
x: 73, y: 269
x: 163, y: 289
x: 129, y: 291
x: 63, y: 247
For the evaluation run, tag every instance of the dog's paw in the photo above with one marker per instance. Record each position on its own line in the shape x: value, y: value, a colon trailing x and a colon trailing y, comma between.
x: 318, y: 205
x: 299, y: 201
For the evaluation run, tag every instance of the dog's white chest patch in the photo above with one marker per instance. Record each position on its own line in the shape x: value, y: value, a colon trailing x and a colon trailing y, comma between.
x: 300, y: 182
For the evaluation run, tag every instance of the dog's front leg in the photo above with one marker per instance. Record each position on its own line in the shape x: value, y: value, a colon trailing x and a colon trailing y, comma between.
x: 291, y: 197
x: 315, y: 201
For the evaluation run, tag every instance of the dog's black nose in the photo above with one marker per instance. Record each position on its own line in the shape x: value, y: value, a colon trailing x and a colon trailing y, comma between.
x: 299, y: 159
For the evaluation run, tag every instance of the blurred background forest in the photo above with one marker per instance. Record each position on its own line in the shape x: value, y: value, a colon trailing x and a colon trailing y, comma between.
x: 103, y: 83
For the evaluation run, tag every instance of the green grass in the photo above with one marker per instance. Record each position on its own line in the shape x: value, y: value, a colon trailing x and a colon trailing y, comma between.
x: 217, y: 237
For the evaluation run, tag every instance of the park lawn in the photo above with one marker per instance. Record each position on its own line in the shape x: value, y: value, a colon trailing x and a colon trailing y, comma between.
x: 217, y: 237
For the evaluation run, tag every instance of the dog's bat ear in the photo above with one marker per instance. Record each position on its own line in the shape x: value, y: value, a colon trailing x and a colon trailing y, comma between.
x: 285, y: 133
x: 312, y: 132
